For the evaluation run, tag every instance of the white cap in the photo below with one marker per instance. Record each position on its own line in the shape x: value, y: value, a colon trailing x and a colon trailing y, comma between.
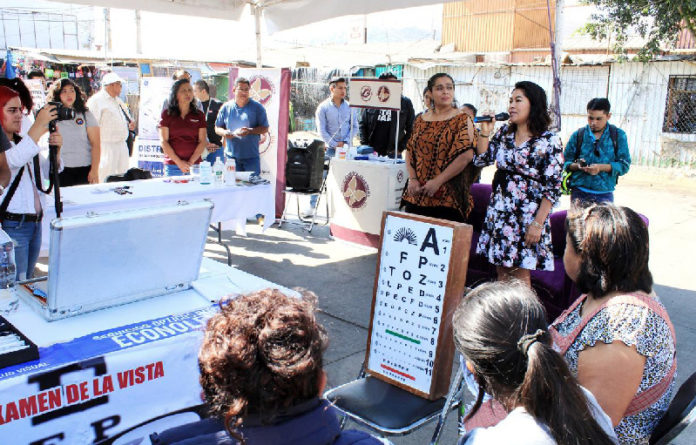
x: 110, y: 78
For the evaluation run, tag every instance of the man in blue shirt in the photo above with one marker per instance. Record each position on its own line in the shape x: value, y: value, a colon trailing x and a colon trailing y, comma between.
x: 336, y: 122
x: 597, y: 155
x: 241, y: 122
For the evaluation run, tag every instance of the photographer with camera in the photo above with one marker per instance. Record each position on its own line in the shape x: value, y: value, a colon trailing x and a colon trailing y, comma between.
x: 21, y: 210
x: 82, y: 151
x: 596, y: 155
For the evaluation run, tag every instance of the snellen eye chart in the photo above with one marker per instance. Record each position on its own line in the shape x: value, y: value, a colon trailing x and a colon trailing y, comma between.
x: 409, y: 302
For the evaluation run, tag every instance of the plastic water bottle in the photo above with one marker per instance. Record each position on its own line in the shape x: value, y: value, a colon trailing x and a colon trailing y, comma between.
x: 206, y: 173
x: 218, y: 171
x: 341, y: 152
x: 230, y: 172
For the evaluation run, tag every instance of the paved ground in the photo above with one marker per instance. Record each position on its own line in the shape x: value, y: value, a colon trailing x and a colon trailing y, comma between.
x: 342, y: 275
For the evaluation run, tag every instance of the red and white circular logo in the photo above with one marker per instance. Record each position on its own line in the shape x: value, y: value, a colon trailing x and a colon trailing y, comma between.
x: 383, y: 93
x: 400, y: 176
x: 366, y: 93
x: 261, y: 90
x: 355, y: 190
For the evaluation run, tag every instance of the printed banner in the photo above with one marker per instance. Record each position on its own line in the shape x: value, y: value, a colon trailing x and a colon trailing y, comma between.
x: 105, y: 383
x: 38, y: 93
x: 149, y: 156
x: 271, y: 88
x: 375, y: 93
x: 153, y: 92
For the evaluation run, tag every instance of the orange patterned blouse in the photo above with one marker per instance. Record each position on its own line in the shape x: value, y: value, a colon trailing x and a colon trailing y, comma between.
x: 432, y: 148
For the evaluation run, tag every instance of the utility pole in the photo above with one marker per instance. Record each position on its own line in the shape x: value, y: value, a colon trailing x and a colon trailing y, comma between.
x: 556, y: 44
x: 138, y: 33
x: 257, y: 23
x: 107, y: 29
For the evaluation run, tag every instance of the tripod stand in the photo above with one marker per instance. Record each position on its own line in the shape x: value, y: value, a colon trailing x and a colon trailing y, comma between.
x: 54, y: 181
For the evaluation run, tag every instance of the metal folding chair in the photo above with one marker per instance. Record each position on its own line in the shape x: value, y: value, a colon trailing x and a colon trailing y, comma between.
x: 307, y: 222
x: 392, y: 411
x: 680, y: 414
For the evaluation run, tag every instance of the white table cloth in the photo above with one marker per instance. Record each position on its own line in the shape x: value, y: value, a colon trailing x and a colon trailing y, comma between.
x: 233, y: 204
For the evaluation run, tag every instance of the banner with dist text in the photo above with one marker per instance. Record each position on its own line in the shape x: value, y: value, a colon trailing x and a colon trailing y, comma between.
x: 271, y: 88
x: 148, y: 151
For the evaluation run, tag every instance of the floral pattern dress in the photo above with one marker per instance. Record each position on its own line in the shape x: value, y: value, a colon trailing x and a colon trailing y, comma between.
x: 652, y: 337
x: 533, y: 172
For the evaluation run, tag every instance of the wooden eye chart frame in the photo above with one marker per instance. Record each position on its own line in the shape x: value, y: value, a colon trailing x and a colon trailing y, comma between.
x: 421, y: 276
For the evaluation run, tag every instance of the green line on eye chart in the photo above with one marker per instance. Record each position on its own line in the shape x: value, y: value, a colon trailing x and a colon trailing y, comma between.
x: 403, y: 337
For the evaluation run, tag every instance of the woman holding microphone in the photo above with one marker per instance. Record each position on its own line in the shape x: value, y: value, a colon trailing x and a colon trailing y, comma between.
x: 516, y: 234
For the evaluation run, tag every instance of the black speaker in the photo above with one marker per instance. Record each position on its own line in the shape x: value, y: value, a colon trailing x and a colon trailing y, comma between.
x: 304, y: 169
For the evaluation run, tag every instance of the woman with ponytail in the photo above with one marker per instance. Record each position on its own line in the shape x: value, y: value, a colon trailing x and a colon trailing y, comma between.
x: 261, y: 372
x: 500, y: 328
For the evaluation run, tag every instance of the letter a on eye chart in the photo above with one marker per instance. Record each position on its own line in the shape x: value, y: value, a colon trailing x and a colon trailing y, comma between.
x: 409, y: 300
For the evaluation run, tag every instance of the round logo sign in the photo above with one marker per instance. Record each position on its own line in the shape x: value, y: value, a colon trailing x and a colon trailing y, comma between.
x: 400, y: 176
x: 355, y: 190
x: 79, y: 121
x: 383, y: 93
x: 261, y: 90
x: 366, y: 93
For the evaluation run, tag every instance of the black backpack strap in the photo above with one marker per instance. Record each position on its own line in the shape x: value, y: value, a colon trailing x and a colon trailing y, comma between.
x: 578, y: 142
x: 37, y: 177
x: 10, y: 193
x: 614, y: 135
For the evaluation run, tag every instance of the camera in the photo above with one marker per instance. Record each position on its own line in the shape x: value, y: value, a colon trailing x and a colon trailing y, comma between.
x: 64, y: 113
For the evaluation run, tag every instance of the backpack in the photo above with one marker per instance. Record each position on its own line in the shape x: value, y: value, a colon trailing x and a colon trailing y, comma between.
x: 566, y: 176
x: 305, y: 164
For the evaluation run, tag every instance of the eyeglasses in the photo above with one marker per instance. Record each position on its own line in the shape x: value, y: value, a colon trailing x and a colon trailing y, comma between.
x: 596, y: 148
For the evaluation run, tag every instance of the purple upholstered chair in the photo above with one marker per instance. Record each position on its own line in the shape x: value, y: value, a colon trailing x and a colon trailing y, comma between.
x: 555, y: 289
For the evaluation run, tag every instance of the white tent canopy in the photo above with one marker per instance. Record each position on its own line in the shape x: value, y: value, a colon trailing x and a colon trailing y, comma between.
x: 278, y: 15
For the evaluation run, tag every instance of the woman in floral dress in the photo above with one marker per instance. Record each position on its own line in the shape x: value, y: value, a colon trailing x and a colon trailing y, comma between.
x: 516, y: 235
x: 439, y: 155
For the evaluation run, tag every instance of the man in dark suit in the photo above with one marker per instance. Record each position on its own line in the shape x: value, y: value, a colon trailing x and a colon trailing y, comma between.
x: 211, y: 106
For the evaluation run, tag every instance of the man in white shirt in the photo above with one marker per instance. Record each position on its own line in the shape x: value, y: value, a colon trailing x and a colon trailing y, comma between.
x: 111, y: 114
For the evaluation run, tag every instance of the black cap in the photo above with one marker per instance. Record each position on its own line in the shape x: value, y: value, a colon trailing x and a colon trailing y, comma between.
x: 4, y: 142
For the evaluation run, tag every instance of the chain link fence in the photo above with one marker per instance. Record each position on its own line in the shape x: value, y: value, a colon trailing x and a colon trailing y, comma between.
x: 308, y: 88
x: 680, y: 111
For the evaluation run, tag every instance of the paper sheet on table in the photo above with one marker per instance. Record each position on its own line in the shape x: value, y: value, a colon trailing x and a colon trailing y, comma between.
x: 243, y: 176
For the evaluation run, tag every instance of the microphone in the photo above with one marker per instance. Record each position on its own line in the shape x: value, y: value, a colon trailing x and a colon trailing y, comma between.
x: 498, y: 117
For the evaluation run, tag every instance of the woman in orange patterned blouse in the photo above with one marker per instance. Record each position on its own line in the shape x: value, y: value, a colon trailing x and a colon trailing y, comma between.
x: 439, y: 155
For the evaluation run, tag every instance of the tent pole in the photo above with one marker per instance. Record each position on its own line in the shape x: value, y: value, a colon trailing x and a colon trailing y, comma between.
x: 257, y: 21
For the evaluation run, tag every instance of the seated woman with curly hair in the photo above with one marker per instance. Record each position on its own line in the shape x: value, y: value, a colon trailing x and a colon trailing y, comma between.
x: 261, y: 373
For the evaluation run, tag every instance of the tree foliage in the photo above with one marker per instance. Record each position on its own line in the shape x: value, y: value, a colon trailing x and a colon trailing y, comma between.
x: 658, y: 21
